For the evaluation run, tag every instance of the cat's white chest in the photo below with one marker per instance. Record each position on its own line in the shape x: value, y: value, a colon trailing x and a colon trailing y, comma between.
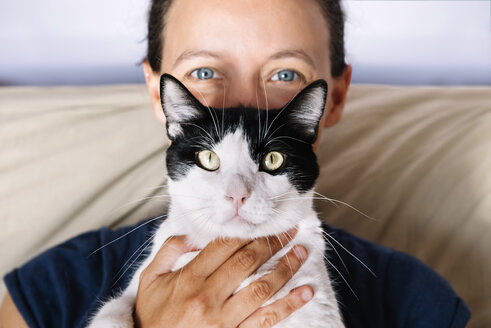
x: 321, y: 311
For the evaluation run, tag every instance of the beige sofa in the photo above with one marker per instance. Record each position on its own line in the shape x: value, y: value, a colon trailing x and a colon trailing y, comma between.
x: 417, y: 160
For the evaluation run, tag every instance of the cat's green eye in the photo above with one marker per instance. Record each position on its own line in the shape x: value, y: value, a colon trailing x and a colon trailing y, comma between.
x: 208, y: 160
x: 272, y: 161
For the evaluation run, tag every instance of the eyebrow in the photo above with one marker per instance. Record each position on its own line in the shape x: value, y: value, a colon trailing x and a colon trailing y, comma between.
x: 193, y: 53
x: 295, y: 54
x: 188, y: 54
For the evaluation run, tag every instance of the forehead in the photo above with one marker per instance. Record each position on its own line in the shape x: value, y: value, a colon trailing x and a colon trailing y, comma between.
x: 252, y: 28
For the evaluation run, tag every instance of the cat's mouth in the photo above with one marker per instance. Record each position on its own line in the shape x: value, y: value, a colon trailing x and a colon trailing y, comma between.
x: 239, y: 220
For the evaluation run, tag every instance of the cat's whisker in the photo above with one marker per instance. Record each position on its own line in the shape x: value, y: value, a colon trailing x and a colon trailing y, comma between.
x: 201, y: 137
x: 345, y: 204
x: 300, y: 198
x: 135, y: 202
x: 267, y: 107
x: 323, y: 196
x: 191, y: 196
x: 333, y: 201
x: 131, y: 257
x: 278, y: 115
x: 185, y: 213
x: 258, y: 119
x: 177, y: 282
x: 148, y: 243
x: 223, y: 109
x: 339, y: 256
x: 205, y: 138
x: 278, y: 141
x: 145, y: 245
x: 202, y: 222
x: 141, y: 200
x: 342, y: 276
x: 287, y: 137
x: 177, y: 195
x: 347, y: 251
x: 289, y: 237
x: 282, y: 125
x: 283, y: 194
x: 154, y: 188
x: 270, y: 250
x: 326, y: 234
x: 163, y: 196
x: 207, y: 134
x: 298, y: 256
x: 287, y: 259
x: 198, y: 127
x: 126, y: 234
x: 209, y: 110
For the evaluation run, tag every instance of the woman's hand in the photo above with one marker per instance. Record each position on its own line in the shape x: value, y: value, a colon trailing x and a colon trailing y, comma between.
x: 200, y: 295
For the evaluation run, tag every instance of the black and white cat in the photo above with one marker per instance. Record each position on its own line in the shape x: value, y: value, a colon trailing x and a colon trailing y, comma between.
x: 264, y: 158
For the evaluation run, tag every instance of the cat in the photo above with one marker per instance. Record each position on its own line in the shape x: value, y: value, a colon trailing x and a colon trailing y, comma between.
x: 267, y: 156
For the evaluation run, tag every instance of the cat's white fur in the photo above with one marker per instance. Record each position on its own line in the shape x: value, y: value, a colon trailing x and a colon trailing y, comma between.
x: 201, y: 211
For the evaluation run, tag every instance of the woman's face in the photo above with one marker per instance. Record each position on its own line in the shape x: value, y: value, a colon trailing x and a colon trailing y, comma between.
x: 248, y: 52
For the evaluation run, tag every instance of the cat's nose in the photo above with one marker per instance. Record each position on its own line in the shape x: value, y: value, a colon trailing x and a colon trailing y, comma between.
x: 237, y: 197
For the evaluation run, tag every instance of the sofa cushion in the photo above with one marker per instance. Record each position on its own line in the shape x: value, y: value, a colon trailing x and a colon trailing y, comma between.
x: 416, y: 160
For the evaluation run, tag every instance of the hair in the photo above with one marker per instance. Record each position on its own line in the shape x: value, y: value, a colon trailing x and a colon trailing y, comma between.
x: 332, y: 10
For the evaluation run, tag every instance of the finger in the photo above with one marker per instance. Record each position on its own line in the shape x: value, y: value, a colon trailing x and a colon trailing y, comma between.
x: 167, y: 256
x: 245, y: 261
x: 270, y: 315
x: 213, y: 255
x: 250, y: 298
x: 220, y: 250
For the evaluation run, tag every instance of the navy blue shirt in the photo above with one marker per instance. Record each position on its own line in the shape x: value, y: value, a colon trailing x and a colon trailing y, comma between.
x: 64, y: 285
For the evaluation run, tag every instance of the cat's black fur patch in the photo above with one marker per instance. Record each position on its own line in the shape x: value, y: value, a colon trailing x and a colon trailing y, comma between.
x: 284, y: 134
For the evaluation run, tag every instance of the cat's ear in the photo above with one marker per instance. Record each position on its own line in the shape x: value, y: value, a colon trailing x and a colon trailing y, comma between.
x: 178, y: 104
x: 305, y: 110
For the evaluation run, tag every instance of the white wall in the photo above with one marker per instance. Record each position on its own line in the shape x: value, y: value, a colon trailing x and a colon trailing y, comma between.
x: 74, y: 41
x: 414, y: 42
x: 90, y: 41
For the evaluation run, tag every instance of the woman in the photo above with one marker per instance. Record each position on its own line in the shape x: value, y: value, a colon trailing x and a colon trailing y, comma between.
x: 241, y: 52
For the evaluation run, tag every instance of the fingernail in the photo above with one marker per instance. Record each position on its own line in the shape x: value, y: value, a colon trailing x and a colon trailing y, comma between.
x: 307, y: 295
x: 301, y: 252
x: 293, y: 231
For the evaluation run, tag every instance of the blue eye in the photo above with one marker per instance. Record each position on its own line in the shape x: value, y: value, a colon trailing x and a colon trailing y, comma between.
x: 204, y: 73
x: 285, y: 75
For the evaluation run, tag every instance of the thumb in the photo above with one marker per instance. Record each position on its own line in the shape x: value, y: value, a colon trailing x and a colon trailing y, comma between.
x: 167, y: 255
